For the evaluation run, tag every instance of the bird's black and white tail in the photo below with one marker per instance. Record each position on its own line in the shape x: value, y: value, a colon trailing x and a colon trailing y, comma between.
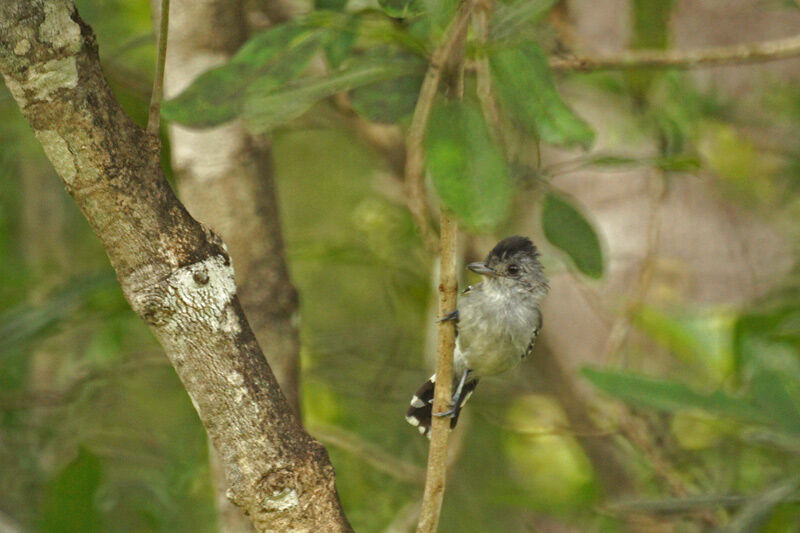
x: 420, y: 412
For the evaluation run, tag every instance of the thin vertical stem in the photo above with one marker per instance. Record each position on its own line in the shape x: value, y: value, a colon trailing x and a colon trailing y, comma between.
x: 158, y: 81
x: 440, y: 428
x: 483, y: 74
x: 415, y: 159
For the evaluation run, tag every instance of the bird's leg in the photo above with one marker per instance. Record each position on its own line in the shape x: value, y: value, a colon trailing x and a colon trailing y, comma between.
x: 451, y: 316
x: 456, y: 396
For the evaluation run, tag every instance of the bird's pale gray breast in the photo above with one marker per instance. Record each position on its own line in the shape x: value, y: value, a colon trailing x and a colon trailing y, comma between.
x: 495, y: 326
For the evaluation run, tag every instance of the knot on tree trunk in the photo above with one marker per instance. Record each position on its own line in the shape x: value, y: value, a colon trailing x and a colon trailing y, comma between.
x: 191, y: 297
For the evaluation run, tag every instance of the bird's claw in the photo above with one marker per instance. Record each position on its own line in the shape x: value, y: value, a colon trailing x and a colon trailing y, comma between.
x: 450, y: 413
x: 451, y: 316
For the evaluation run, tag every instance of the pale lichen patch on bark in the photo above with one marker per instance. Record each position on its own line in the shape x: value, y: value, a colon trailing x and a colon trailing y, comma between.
x: 230, y: 322
x: 197, y: 294
x: 235, y: 378
x: 58, y: 27
x: 58, y: 152
x: 42, y: 80
x: 22, y: 47
x: 281, y: 501
x: 202, y: 301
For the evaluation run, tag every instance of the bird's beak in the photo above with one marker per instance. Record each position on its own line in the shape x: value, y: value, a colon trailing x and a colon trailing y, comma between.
x: 482, y: 269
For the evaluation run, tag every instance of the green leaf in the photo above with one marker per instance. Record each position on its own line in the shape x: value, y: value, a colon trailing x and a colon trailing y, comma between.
x: 650, y: 32
x: 340, y: 40
x: 392, y: 100
x: 670, y: 396
x: 767, y: 348
x: 613, y: 161
x: 756, y: 512
x: 213, y: 98
x: 271, y: 58
x: 332, y: 5
x: 678, y: 163
x: 770, y: 394
x: 388, y: 101
x: 400, y: 8
x: 266, y: 108
x: 468, y: 169
x: 68, y: 504
x: 268, y: 49
x: 440, y: 13
x: 702, y: 340
x: 651, y: 24
x: 567, y: 229
x: 509, y: 19
x: 530, y: 97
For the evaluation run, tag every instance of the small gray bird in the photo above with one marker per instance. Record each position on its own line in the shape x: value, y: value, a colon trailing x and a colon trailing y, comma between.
x: 497, y: 324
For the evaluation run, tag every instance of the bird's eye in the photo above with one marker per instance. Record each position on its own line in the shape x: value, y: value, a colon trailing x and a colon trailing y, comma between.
x: 513, y: 269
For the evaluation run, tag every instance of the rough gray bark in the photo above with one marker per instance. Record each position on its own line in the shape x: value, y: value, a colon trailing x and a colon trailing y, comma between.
x: 176, y: 274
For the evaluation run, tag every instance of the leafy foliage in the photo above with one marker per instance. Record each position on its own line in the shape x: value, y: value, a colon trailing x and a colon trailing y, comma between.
x: 651, y: 20
x: 509, y: 19
x: 466, y: 166
x: 400, y: 8
x: 531, y: 99
x: 392, y: 100
x: 765, y: 404
x: 269, y: 60
x: 671, y: 396
x: 729, y: 391
x: 754, y: 515
x: 266, y: 108
x: 566, y: 228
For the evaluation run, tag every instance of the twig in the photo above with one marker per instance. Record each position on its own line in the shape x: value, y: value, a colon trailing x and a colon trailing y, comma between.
x: 483, y: 76
x: 8, y: 525
x: 405, y: 518
x: 763, y: 51
x: 158, y: 81
x: 415, y: 185
x: 631, y: 427
x: 440, y: 427
x: 685, y: 505
x: 644, y: 277
x: 371, y: 454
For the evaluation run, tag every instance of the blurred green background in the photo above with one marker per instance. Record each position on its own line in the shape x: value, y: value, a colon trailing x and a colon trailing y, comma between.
x: 665, y: 203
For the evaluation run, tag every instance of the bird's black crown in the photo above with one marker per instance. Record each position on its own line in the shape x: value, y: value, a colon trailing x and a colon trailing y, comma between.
x: 512, y: 246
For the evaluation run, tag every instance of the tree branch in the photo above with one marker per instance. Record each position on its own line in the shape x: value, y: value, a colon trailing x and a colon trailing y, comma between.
x: 158, y: 79
x: 371, y: 454
x: 440, y: 427
x: 449, y: 55
x: 685, y: 59
x: 688, y: 504
x: 175, y: 273
x: 483, y: 74
x: 415, y: 160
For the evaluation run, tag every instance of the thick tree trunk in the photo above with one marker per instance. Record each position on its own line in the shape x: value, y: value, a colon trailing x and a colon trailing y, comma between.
x: 176, y: 274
